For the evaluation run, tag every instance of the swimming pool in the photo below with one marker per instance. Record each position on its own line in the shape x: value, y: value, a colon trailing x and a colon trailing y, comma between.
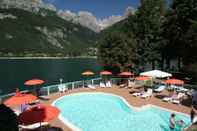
x: 107, y: 112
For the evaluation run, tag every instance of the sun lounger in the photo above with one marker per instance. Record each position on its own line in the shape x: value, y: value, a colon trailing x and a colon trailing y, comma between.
x: 108, y: 84
x: 62, y: 88
x: 122, y: 85
x: 182, y: 89
x: 33, y: 126
x: 160, y: 88
x: 178, y: 99
x: 91, y: 86
x: 137, y: 94
x: 102, y: 85
x: 44, y: 97
x: 147, y: 94
x: 34, y: 102
x: 131, y: 84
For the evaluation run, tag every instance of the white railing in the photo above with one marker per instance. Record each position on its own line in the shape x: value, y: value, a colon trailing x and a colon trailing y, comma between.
x: 47, y: 90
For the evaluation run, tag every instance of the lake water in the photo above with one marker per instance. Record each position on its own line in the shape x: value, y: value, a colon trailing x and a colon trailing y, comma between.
x: 14, y: 72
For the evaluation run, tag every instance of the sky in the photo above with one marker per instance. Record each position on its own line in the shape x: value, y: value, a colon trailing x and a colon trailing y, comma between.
x: 100, y: 8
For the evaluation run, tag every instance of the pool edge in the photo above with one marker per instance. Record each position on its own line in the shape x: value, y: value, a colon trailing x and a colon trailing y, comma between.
x: 75, y: 128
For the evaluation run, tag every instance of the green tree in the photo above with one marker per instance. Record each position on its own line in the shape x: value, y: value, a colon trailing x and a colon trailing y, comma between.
x: 180, y: 31
x: 117, y: 49
x: 148, y: 19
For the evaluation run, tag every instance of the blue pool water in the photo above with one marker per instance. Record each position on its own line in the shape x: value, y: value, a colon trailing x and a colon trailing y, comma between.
x: 106, y: 112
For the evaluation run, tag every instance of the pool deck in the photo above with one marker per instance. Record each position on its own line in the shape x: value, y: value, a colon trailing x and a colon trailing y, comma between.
x: 126, y: 94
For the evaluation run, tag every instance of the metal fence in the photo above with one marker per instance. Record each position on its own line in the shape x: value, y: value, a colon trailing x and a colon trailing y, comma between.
x: 47, y: 90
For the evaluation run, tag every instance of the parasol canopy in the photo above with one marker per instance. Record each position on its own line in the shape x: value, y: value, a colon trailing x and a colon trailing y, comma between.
x: 34, y: 82
x: 39, y: 113
x: 88, y: 73
x: 105, y: 73
x: 156, y: 74
x: 19, y: 99
x: 174, y: 81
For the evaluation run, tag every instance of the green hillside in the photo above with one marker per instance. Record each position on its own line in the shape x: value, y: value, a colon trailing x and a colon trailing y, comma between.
x: 24, y: 33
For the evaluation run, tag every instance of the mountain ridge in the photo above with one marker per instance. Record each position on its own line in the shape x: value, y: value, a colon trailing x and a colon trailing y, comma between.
x: 42, y: 33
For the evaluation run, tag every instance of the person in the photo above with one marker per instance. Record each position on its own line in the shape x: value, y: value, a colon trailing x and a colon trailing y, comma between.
x: 192, y: 114
x: 181, y: 124
x: 172, y: 121
x: 24, y: 107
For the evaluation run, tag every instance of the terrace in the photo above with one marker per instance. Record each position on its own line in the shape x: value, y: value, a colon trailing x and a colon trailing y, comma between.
x: 126, y: 93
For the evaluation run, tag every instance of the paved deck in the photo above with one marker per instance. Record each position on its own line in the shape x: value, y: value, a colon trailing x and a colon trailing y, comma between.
x: 125, y: 93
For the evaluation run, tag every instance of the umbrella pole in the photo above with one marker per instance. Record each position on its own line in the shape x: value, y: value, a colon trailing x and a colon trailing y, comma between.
x: 40, y: 126
x: 21, y: 107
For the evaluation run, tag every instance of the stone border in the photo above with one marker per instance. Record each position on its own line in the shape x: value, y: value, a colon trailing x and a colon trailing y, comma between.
x: 75, y: 128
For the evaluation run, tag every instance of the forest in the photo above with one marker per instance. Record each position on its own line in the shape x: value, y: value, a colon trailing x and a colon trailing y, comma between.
x: 156, y: 34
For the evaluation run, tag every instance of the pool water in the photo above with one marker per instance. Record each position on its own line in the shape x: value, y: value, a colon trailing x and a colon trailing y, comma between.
x: 106, y: 112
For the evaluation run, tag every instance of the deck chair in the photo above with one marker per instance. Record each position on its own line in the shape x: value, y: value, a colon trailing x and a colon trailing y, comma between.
x: 169, y: 98
x: 102, y: 85
x: 33, y: 126
x: 108, y: 84
x: 147, y: 94
x: 160, y: 88
x: 61, y: 88
x: 91, y: 86
x: 131, y: 84
x: 178, y: 99
x: 137, y: 94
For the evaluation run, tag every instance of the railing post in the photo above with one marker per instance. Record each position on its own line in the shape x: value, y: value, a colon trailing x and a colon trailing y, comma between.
x: 48, y: 91
x: 73, y: 85
x: 92, y: 82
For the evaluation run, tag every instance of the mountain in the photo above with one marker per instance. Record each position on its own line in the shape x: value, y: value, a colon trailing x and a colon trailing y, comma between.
x: 38, y: 31
x: 88, y: 20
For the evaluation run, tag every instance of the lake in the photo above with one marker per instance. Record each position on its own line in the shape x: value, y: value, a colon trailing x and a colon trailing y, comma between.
x: 14, y: 72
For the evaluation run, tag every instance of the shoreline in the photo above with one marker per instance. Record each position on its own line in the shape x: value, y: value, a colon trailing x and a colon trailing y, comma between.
x: 89, y: 57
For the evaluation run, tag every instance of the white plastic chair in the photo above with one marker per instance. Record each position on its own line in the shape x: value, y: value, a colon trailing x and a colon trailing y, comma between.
x: 102, y: 85
x: 108, y: 84
x: 62, y: 88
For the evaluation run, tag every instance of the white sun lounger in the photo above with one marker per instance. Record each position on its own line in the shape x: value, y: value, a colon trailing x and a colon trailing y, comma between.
x: 137, y: 94
x: 178, y: 99
x: 62, y: 88
x: 33, y: 126
x: 160, y: 88
x: 91, y: 86
x: 147, y: 94
x: 175, y: 98
x: 108, y: 84
x: 102, y: 85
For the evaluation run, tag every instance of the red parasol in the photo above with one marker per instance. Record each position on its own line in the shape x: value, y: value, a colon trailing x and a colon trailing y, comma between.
x: 39, y: 113
x: 174, y: 81
x: 88, y: 73
x: 126, y: 73
x: 34, y: 82
x: 19, y: 99
x: 142, y: 78
x: 106, y: 73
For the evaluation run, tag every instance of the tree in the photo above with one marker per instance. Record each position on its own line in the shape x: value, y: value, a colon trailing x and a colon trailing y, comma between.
x: 149, y: 16
x: 117, y: 50
x: 180, y: 31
